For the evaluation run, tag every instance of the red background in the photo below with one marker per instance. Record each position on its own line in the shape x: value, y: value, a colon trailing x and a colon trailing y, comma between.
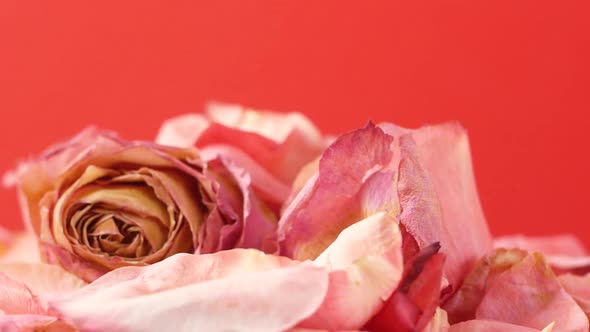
x: 515, y: 73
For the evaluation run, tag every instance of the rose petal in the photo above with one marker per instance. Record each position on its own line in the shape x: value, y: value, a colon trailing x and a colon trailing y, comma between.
x: 540, y: 299
x: 579, y: 288
x: 560, y: 245
x: 433, y: 193
x: 261, y: 297
x: 518, y: 288
x: 183, y: 130
x: 564, y: 252
x: 282, y: 143
x: 437, y: 183
x: 490, y: 326
x: 269, y: 188
x: 42, y: 279
x: 256, y: 224
x: 26, y: 323
x: 299, y: 141
x: 376, y: 235
x: 332, y: 200
x: 18, y: 247
x: 367, y: 266
x: 16, y: 298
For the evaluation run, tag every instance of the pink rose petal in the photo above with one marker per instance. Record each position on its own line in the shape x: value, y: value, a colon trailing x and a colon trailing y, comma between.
x: 277, y: 300
x: 238, y: 290
x: 557, y: 245
x: 42, y: 279
x: 16, y: 298
x: 272, y: 147
x: 18, y: 247
x: 515, y: 287
x: 366, y: 266
x: 579, y: 288
x: 333, y: 199
x: 490, y: 326
x: 32, y: 323
x: 258, y: 229
x: 24, y: 290
x: 438, y: 195
x: 565, y: 252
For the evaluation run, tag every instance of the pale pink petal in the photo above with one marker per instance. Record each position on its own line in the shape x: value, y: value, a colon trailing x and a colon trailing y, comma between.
x: 42, y: 279
x: 564, y: 252
x: 367, y: 266
x: 564, y: 264
x: 272, y: 125
x: 489, y: 326
x: 515, y: 287
x: 18, y: 247
x: 437, y: 181
x: 23, y: 310
x: 354, y: 295
x: 183, y: 130
x: 579, y: 288
x: 16, y: 298
x: 282, y: 143
x: 557, y: 245
x: 238, y: 290
x: 423, y: 177
x: 540, y: 299
x: 33, y: 323
x: 333, y: 199
x: 39, y: 176
x: 376, y: 235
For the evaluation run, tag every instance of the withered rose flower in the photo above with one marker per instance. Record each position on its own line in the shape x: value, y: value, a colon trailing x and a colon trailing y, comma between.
x: 98, y: 203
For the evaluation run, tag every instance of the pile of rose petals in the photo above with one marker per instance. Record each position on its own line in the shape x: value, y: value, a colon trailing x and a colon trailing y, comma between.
x: 240, y: 220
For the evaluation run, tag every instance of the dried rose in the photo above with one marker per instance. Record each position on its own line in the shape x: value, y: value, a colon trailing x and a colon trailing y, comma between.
x: 99, y: 203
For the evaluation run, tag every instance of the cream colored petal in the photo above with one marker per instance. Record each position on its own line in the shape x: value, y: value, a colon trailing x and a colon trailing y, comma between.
x: 141, y: 200
x: 150, y: 228
x: 57, y: 223
x: 185, y: 192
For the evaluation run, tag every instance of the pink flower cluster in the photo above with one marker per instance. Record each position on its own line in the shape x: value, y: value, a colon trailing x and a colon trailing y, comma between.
x: 240, y: 220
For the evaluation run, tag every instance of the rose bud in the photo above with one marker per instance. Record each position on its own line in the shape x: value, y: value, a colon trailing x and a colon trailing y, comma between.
x: 98, y: 203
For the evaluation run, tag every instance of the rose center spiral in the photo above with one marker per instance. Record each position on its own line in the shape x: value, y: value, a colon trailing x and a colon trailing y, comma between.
x: 118, y: 220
